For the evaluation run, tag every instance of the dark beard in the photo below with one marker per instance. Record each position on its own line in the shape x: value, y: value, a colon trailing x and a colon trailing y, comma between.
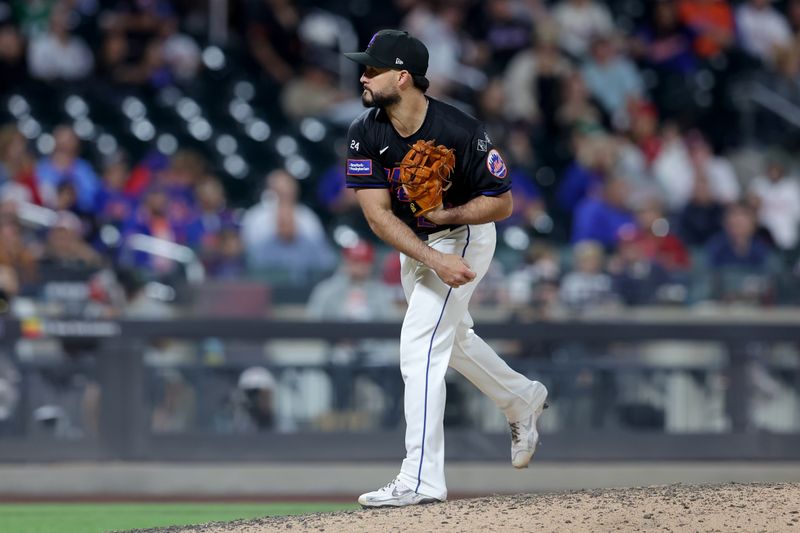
x: 379, y: 100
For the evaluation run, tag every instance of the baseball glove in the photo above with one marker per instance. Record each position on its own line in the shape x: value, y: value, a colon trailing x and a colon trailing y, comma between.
x: 425, y: 175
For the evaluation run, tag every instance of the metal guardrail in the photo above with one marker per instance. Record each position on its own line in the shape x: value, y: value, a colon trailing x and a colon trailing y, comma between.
x: 124, y: 433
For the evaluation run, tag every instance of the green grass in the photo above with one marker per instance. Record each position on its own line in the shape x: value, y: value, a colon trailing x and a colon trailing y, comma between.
x: 101, y: 517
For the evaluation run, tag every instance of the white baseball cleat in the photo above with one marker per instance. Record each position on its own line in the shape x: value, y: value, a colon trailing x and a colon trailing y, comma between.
x: 394, y: 494
x: 524, y: 435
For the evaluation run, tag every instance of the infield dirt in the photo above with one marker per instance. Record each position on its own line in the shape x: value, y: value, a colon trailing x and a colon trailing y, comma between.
x: 707, y: 508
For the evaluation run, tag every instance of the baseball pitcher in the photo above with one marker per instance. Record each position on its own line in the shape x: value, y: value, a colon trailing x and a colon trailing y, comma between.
x: 431, y: 184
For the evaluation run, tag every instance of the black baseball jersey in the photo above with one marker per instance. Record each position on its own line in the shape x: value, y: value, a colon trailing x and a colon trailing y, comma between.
x: 375, y: 151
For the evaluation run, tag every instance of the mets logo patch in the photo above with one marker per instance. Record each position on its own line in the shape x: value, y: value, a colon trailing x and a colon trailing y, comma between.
x: 359, y: 167
x: 496, y: 165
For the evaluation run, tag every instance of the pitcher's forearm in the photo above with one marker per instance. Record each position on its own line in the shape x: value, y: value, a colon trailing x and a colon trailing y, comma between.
x: 393, y: 232
x: 479, y: 210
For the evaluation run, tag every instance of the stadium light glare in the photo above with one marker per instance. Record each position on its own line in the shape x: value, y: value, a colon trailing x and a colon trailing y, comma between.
x: 214, y: 58
x: 244, y: 90
x: 29, y: 127
x: 236, y: 166
x: 84, y: 128
x: 188, y: 109
x: 345, y: 236
x: 106, y: 144
x: 143, y: 130
x: 258, y: 130
x: 167, y: 144
x: 133, y: 108
x: 516, y: 238
x: 312, y: 129
x: 110, y: 236
x: 226, y: 144
x: 543, y: 223
x: 200, y: 129
x: 240, y: 110
x: 45, y: 144
x: 660, y: 227
x: 298, y: 167
x: 286, y: 145
x: 76, y: 107
x: 18, y: 106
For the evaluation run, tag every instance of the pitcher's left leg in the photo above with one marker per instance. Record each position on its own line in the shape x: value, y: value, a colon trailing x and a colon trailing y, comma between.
x: 434, y: 312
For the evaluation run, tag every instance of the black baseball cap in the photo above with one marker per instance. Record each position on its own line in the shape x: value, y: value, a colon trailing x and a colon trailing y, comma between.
x: 394, y: 49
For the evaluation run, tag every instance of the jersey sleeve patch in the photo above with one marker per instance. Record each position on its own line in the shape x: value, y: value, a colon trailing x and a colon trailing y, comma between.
x: 359, y: 167
x: 496, y: 165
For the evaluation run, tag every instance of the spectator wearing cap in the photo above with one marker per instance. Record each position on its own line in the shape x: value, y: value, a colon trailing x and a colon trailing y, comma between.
x: 775, y: 196
x: 352, y: 293
x: 253, y: 401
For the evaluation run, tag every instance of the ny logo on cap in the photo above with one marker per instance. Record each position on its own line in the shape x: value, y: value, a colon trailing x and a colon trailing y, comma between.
x: 398, y: 61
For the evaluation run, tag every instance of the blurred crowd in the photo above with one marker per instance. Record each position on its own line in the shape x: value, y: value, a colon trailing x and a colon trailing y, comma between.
x: 650, y: 165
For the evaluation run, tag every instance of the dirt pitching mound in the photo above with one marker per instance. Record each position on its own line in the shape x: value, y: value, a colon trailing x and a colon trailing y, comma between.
x: 723, y: 508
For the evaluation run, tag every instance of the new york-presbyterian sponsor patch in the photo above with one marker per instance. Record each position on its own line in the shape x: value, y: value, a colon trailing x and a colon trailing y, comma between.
x: 496, y: 165
x: 359, y: 167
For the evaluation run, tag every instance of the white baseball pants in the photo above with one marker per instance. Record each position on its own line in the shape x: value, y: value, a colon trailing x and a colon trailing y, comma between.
x: 437, y: 333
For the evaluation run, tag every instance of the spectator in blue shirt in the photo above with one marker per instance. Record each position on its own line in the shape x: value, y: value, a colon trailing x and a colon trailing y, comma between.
x: 612, y: 79
x: 65, y: 165
x: 601, y: 219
